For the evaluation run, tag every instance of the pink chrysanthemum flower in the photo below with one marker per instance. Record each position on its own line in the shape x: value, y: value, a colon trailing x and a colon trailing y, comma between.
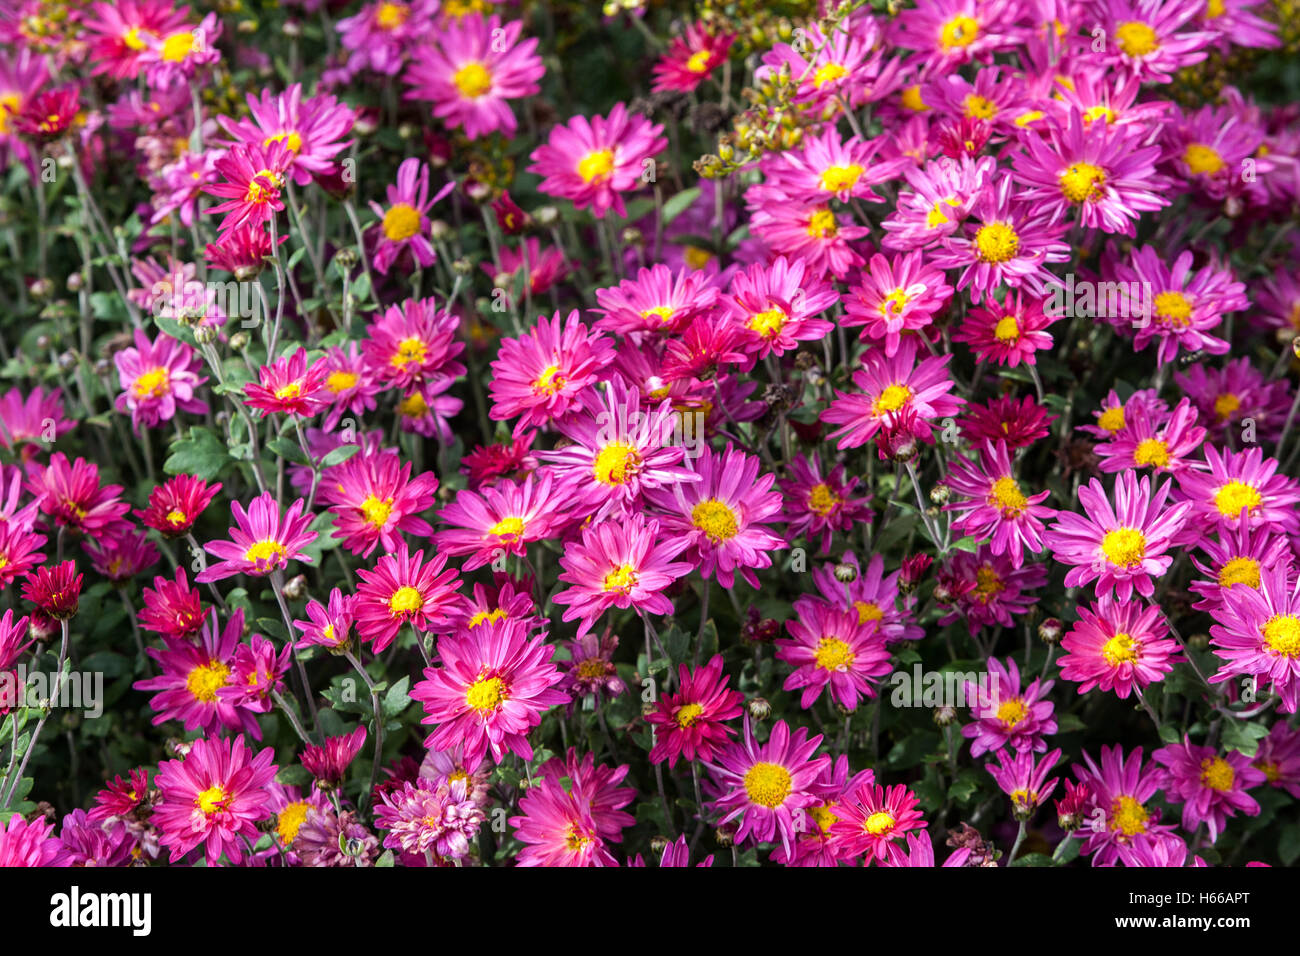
x: 257, y: 672
x: 121, y: 554
x: 833, y: 648
x: 312, y: 129
x: 824, y: 167
x: 845, y: 64
x: 401, y: 590
x: 776, y: 306
x: 1007, y: 332
x: 1119, y: 814
x: 1018, y: 422
x: 815, y: 847
x: 31, y: 419
x: 350, y: 388
x: 404, y: 225
x: 938, y: 202
x: 1149, y: 40
x: 29, y: 844
x: 557, y: 829
x: 870, y: 818
x: 1278, y: 758
x: 374, y: 500
x: 70, y: 493
x: 1211, y: 787
x: 690, y: 722
x: 894, y: 298
x: 492, y: 688
x: 252, y: 178
x: 412, y: 343
x: 215, y: 797
x: 722, y: 516
x: 817, y: 504
x: 1119, y: 646
x: 489, y: 524
x: 1227, y: 397
x: 1114, y: 414
x: 541, y: 375
x: 590, y: 672
x: 262, y: 540
x: 242, y: 251
x: 1236, y: 558
x: 437, y: 819
x: 192, y: 675
x: 55, y: 590
x: 176, y: 56
x: 890, y: 386
x: 172, y: 608
x: 656, y: 300
x: 328, y: 625
x: 1006, y: 715
x: 690, y: 58
x: 920, y: 852
x: 117, y: 33
x: 505, y: 598
x: 470, y: 71
x: 1238, y: 482
x: 619, y: 564
x: 950, y: 33
x: 1258, y: 635
x: 176, y: 504
x: 158, y: 378
x: 986, y: 588
x: 1121, y: 547
x: 1162, y: 444
x: 767, y: 786
x: 592, y: 162
x: 598, y: 786
x: 288, y: 386
x: 1024, y: 779
x: 381, y: 33
x: 872, y: 593
x: 993, y: 505
x: 810, y: 233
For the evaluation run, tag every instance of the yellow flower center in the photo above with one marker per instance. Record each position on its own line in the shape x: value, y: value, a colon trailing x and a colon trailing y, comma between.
x: 593, y: 668
x: 413, y: 406
x: 1124, y: 547
x: 401, y: 222
x: 292, y: 141
x: 911, y: 99
x: 960, y: 31
x: 1240, y: 570
x: 596, y: 165
x: 1119, y: 649
x: 1214, y: 9
x: 715, y: 519
x: 1282, y: 633
x: 1151, y: 451
x: 891, y: 399
x: 822, y: 224
x: 894, y: 303
x: 980, y: 107
x: 823, y: 817
x: 1027, y: 117
x: 1100, y: 112
x: 878, y: 823
x: 1216, y: 773
x: 829, y: 73
x: 696, y: 257
x: 341, y: 381
x: 663, y: 313
x: 1173, y: 308
x: 292, y: 390
x: 868, y: 611
x: 212, y: 800
x: 289, y: 820
x: 1083, y: 181
x: 1234, y: 496
x: 508, y: 527
x: 1225, y: 405
x: 405, y: 600
x: 1112, y: 419
x: 841, y: 178
x: 1202, y: 160
x: 767, y: 784
x: 204, y: 681
x: 131, y: 40
x: 699, y: 61
x: 1006, y: 494
x: 177, y: 47
x: 767, y: 324
x: 268, y: 550
x: 622, y: 578
x: 486, y: 694
x: 473, y: 80
x: 821, y: 499
x: 262, y: 187
x: 997, y: 242
x: 376, y: 511
x: 153, y: 383
x: 390, y: 16
x: 1012, y: 712
x: 487, y: 617
x: 1271, y: 770
x: 1007, y: 330
x: 987, y: 584
x: 175, y: 518
x: 687, y: 715
x: 550, y: 381
x: 1136, y: 38
x: 1128, y: 816
x: 832, y: 654
x: 615, y: 463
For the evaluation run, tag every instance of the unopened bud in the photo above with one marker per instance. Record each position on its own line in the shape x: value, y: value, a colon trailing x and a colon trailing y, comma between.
x: 239, y: 341
x: 1050, y: 631
x: 845, y: 573
x: 295, y: 587
x: 759, y: 708
x: 462, y: 267
x: 943, y: 716
x: 939, y: 494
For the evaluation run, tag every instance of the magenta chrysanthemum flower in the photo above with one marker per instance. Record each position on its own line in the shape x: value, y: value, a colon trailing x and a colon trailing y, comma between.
x: 404, y: 225
x: 872, y: 593
x: 329, y: 625
x: 176, y: 504
x: 252, y: 179
x: 1006, y: 715
x: 262, y: 540
x: 845, y: 63
x: 422, y: 818
x: 412, y: 343
x: 489, y: 524
x: 312, y: 130
x: 950, y: 33
x: 1007, y: 332
x: 1236, y: 558
x: 821, y: 505
x: 374, y: 500
x: 986, y: 588
x: 1119, y: 646
x: 993, y: 505
x: 592, y: 162
x: 1121, y: 547
x: 492, y: 688
x: 1147, y: 39
x: 349, y: 386
x: 215, y: 797
x: 1241, y: 482
x: 288, y: 386
x: 767, y: 785
x: 811, y: 233
x: 1211, y: 787
x: 1227, y: 397
x: 172, y: 608
x: 401, y: 590
x: 690, y: 722
x: 835, y: 649
x: 56, y: 591
x: 656, y: 300
x: 775, y: 306
x: 619, y: 564
x: 1119, y: 814
x: 1258, y: 634
x: 895, y: 297
x: 70, y: 493
x: 1164, y: 446
x: 1018, y: 422
x: 590, y: 672
x: 158, y: 378
x: 381, y: 33
x: 1278, y: 758
x: 557, y: 829
x: 1024, y: 779
x: 470, y: 71
x: 870, y: 818
x: 29, y: 844
x: 690, y: 58
x: 29, y: 419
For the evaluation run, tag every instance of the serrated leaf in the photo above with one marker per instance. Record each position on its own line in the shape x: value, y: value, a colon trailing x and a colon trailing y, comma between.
x: 200, y: 453
x: 293, y: 775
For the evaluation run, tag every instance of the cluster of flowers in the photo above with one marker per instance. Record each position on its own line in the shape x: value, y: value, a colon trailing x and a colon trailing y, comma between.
x: 1001, y: 144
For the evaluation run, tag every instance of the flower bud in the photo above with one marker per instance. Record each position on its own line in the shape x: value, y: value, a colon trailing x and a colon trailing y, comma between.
x: 295, y: 588
x: 1050, y: 631
x: 943, y: 716
x: 239, y: 341
x: 939, y: 494
x: 759, y: 708
x: 845, y: 573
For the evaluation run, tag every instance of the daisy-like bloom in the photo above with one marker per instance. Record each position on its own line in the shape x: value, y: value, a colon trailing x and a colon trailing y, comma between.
x: 252, y: 178
x: 618, y: 452
x: 590, y: 670
x: 86, y: 843
x: 814, y: 846
x: 1226, y: 397
x: 1238, y: 482
x: 117, y: 33
x: 768, y: 786
x: 1180, y: 307
x: 492, y: 688
x: 176, y: 56
x: 557, y: 827
x: 446, y: 766
x: 1113, y: 416
x: 1005, y: 715
x: 535, y: 269
x: 833, y: 648
x: 985, y: 588
x: 845, y: 63
x: 350, y: 388
x: 598, y: 786
x: 655, y: 301
x: 1018, y: 422
x: 158, y: 379
x: 290, y: 810
x: 691, y: 723
x: 312, y: 129
x: 821, y: 505
x: 1103, y: 174
x: 437, y: 819
x: 54, y: 590
x: 824, y: 167
x: 70, y: 493
x: 1122, y: 790
x: 592, y: 162
x: 709, y: 345
x: 374, y: 500
x: 938, y: 202
x: 242, y: 251
x: 1024, y: 779
x: 1121, y: 547
x: 328, y: 625
x: 172, y: 608
x: 894, y: 298
x: 1146, y: 39
x: 32, y: 419
x: 622, y: 564
x: 506, y: 598
x: 870, y: 818
x: 29, y: 844
x: 215, y: 797
x: 401, y: 590
x: 470, y: 71
x: 950, y: 33
x: 722, y: 516
x: 1007, y: 332
x: 1119, y: 646
x: 427, y: 410
x: 776, y: 306
x: 1210, y: 786
x: 1236, y: 558
x: 289, y: 386
x: 690, y: 58
x: 872, y: 593
x: 14, y: 639
x: 810, y: 233
x: 176, y: 504
x: 121, y: 554
x: 891, y: 386
x: 193, y: 673
x: 920, y: 852
x: 1004, y: 241
x: 1147, y: 442
x: 1278, y: 758
x: 381, y: 33
x: 329, y: 838
x: 993, y: 505
x: 256, y: 672
x: 405, y: 223
x: 1258, y: 634
x: 541, y: 375
x: 491, y: 523
x: 1209, y: 149
x: 262, y: 540
x: 412, y: 343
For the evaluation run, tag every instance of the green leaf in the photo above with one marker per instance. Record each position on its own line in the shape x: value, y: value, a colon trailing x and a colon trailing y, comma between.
x: 340, y: 454
x: 1288, y: 847
x: 293, y: 775
x: 288, y: 449
x: 678, y: 204
x: 397, y: 699
x: 1032, y: 859
x: 201, y: 454
x: 385, y: 859
x: 1243, y: 735
x: 966, y: 786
